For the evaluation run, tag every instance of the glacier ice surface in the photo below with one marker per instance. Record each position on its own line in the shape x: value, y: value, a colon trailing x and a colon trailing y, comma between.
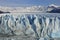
x: 30, y: 25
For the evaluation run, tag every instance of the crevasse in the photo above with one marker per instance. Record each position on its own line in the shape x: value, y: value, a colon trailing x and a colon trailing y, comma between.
x: 30, y: 25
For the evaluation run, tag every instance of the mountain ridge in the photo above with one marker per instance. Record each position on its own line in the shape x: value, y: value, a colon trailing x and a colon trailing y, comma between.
x: 49, y: 9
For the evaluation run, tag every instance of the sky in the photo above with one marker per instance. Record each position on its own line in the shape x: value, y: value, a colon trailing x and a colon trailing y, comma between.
x: 28, y: 2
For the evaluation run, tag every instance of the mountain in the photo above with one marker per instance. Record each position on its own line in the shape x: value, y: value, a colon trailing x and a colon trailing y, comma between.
x: 42, y: 9
x: 23, y: 9
x: 53, y: 9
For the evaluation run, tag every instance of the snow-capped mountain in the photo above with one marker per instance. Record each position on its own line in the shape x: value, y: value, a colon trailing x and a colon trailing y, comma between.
x: 53, y: 8
x: 53, y: 5
x: 23, y: 9
x: 49, y: 9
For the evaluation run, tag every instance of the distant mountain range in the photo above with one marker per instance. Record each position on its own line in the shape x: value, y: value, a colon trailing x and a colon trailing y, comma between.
x: 49, y: 9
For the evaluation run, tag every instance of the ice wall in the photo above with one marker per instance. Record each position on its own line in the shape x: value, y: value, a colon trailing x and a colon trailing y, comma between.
x: 32, y: 25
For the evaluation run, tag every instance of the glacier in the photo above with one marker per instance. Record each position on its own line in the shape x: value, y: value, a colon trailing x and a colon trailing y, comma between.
x: 33, y: 25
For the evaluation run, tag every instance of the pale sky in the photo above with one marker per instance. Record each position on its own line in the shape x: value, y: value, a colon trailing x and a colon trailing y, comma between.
x: 28, y: 2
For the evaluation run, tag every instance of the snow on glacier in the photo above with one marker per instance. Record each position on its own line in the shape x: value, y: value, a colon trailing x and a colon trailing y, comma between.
x: 30, y: 25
